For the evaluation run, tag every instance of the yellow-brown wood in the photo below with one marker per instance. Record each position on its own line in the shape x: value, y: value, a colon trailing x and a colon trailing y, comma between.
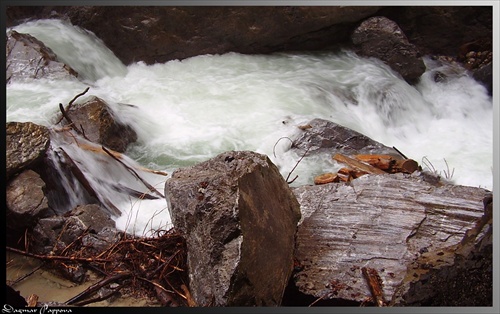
x: 357, y: 165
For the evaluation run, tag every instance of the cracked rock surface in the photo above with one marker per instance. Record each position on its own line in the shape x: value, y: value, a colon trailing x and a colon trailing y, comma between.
x: 382, y: 222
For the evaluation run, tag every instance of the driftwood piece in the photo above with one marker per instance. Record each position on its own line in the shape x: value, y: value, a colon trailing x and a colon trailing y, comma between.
x: 406, y: 166
x: 358, y: 165
x: 326, y: 178
x: 398, y: 225
x: 388, y: 163
x: 117, y: 155
x: 58, y: 258
x: 93, y: 288
x: 383, y: 162
x: 149, y: 186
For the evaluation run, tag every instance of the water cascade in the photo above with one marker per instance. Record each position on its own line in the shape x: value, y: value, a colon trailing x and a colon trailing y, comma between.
x: 188, y: 111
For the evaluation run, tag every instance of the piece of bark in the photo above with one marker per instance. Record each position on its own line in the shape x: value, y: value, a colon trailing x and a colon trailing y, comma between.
x: 325, y: 178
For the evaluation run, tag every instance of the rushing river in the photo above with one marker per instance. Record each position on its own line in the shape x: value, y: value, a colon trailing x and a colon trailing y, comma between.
x: 188, y: 111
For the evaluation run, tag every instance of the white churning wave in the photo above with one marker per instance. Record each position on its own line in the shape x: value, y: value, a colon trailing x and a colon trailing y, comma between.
x: 191, y: 110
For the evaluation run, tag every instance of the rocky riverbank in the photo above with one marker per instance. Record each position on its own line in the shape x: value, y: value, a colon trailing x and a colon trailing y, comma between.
x: 379, y: 240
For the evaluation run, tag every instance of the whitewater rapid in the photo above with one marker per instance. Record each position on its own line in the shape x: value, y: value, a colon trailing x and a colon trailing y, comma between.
x: 188, y: 111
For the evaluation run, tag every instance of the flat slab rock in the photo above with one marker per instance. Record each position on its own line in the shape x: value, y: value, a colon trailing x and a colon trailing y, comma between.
x: 380, y: 222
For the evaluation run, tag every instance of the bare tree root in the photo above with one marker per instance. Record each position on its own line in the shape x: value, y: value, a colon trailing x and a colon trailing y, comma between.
x: 154, y: 267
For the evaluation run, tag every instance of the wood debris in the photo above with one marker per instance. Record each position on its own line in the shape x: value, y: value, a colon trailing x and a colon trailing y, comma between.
x: 361, y: 164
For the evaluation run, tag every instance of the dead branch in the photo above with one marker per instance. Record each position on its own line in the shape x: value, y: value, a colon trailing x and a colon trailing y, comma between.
x: 71, y: 103
x: 81, y: 94
x: 99, y: 150
x: 134, y: 193
x: 90, y: 290
x: 274, y: 147
x: 84, y: 233
x: 298, y: 162
x: 58, y: 258
x: 86, y: 184
x: 358, y: 165
x: 149, y: 186
x: 70, y: 122
x: 399, y: 152
x: 99, y: 298
x: 28, y: 274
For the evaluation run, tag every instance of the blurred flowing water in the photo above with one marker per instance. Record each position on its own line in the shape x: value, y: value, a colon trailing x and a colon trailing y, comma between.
x: 188, y: 111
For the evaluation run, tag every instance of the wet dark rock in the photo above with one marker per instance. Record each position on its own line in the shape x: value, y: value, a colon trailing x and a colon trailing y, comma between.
x: 398, y: 225
x: 443, y: 29
x: 484, y: 75
x: 102, y: 240
x: 157, y: 34
x: 26, y: 201
x: 26, y: 144
x: 381, y: 38
x: 239, y: 218
x: 95, y: 119
x: 45, y: 234
x: 28, y: 59
x: 13, y: 299
x: 53, y: 234
x: 323, y: 135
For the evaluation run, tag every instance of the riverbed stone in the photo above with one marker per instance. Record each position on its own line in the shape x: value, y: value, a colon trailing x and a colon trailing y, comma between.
x: 320, y: 135
x: 53, y: 234
x: 94, y: 118
x: 26, y: 201
x: 239, y: 218
x: 28, y: 58
x: 381, y: 38
x: 26, y: 144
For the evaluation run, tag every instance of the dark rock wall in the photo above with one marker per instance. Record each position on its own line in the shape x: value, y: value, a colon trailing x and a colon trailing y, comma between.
x: 444, y: 29
x: 159, y: 34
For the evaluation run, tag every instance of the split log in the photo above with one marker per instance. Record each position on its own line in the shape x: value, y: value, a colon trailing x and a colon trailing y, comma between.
x: 389, y: 163
x: 406, y: 166
x: 358, y: 165
x: 383, y: 162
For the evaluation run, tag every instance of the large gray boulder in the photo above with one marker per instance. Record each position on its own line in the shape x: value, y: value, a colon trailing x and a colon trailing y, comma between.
x: 397, y: 226
x: 381, y: 38
x: 320, y: 135
x: 239, y: 218
x: 28, y: 59
x: 26, y: 144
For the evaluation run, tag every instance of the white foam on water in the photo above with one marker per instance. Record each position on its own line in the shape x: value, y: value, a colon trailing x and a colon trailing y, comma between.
x: 188, y: 111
